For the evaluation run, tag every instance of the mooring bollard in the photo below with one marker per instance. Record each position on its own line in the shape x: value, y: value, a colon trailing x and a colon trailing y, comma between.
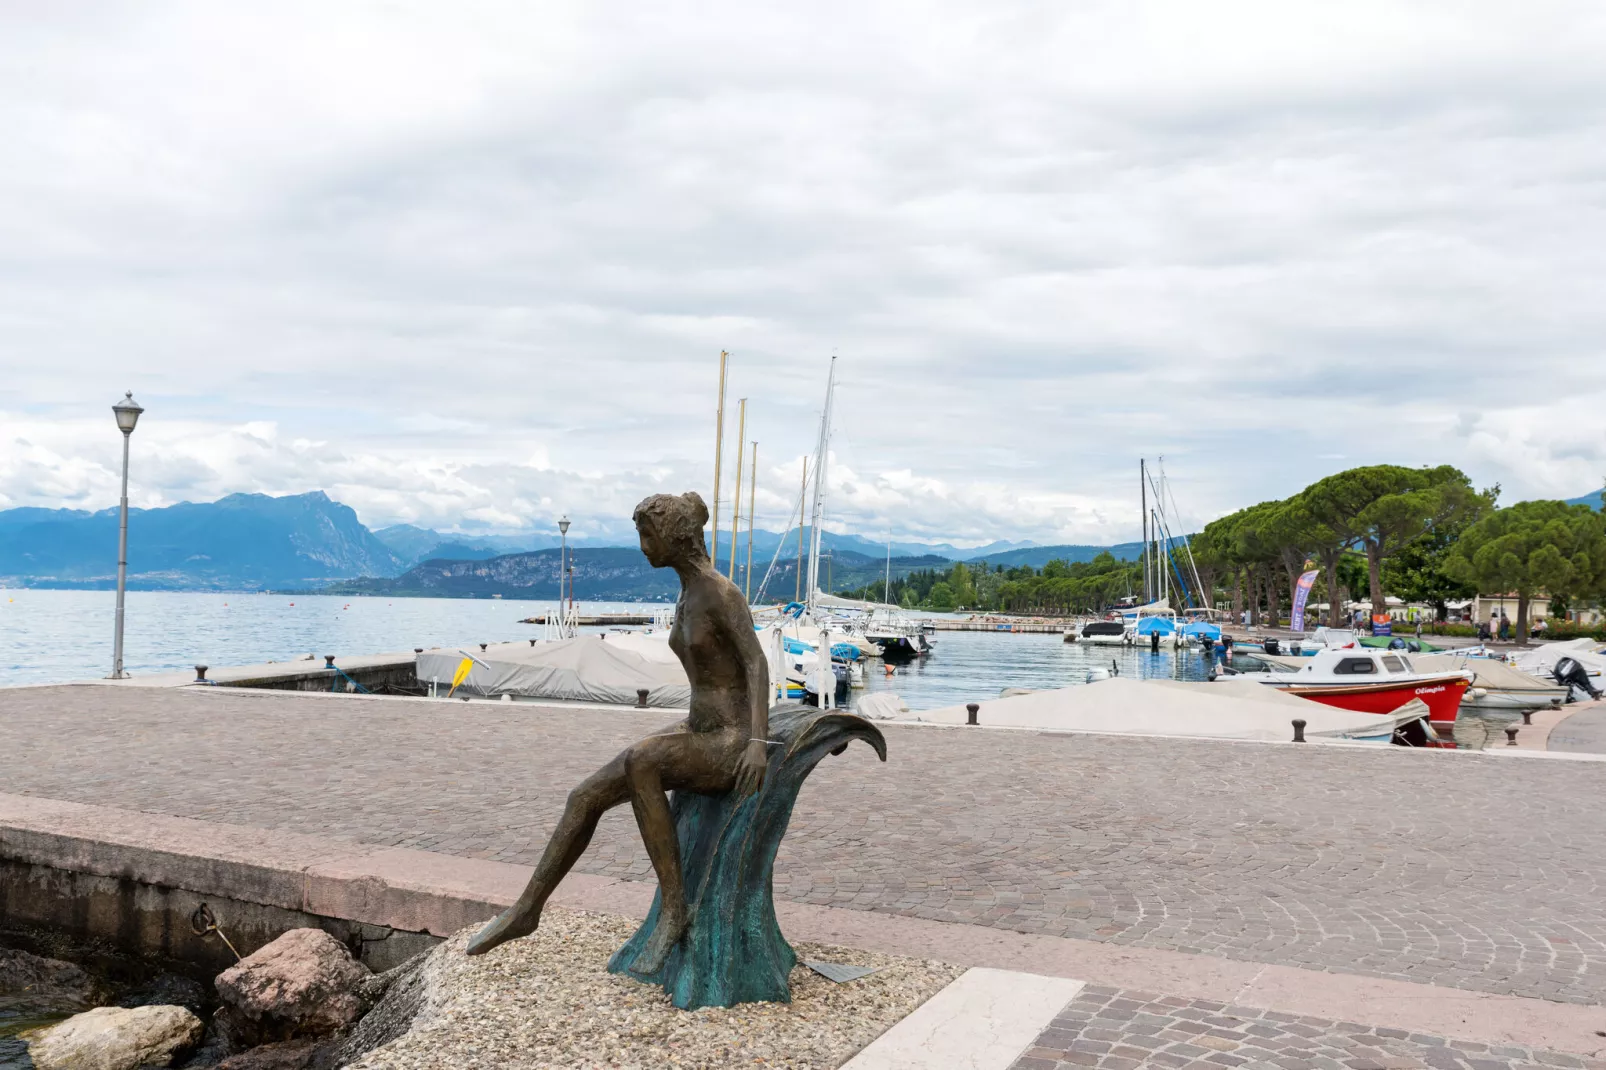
x: 418, y: 650
x: 1299, y: 730
x: 532, y: 642
x: 483, y: 646
x: 200, y: 674
x: 328, y: 661
x: 1528, y: 717
x: 641, y: 698
x: 972, y: 708
x: 1511, y: 736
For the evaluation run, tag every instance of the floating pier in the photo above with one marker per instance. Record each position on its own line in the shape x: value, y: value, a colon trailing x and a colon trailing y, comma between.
x: 598, y: 620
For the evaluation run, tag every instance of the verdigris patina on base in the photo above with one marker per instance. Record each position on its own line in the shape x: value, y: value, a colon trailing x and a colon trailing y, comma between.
x: 733, y: 952
x: 735, y: 772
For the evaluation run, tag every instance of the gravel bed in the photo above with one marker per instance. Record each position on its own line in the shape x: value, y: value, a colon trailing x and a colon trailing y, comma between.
x: 548, y: 1001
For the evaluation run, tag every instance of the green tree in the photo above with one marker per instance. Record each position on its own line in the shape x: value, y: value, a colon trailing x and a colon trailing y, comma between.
x: 1384, y: 507
x: 941, y: 596
x: 1529, y: 548
x: 1416, y: 573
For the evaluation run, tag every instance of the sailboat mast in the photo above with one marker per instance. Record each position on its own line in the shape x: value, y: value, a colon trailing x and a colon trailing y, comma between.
x: 886, y: 585
x: 820, y: 463
x: 736, y: 501
x: 752, y: 497
x: 719, y: 442
x: 1143, y: 492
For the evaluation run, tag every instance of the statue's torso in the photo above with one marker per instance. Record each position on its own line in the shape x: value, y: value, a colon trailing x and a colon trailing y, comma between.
x: 704, y: 641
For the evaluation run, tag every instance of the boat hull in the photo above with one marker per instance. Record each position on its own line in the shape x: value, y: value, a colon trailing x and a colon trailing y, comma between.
x: 1442, y: 696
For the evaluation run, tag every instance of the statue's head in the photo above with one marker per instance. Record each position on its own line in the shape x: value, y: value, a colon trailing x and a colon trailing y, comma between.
x: 671, y: 528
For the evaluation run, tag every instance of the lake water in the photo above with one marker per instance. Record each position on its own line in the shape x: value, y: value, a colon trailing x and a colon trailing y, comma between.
x: 56, y: 636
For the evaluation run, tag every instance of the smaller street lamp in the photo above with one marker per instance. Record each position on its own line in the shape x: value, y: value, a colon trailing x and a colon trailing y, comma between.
x: 127, y: 412
x: 563, y: 561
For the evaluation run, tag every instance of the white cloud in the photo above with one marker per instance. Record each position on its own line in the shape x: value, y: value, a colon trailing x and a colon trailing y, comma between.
x: 473, y: 264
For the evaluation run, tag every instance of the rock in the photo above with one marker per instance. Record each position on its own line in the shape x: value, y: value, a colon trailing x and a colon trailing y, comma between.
x: 285, y: 1055
x: 116, y: 1038
x: 398, y: 997
x: 166, y: 990
x: 304, y: 984
x: 37, y: 985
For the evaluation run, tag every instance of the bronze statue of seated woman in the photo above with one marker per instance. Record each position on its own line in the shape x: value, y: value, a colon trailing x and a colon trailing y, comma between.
x: 720, y: 944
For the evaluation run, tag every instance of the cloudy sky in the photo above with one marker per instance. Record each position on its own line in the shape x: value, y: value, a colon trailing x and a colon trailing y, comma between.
x: 471, y: 265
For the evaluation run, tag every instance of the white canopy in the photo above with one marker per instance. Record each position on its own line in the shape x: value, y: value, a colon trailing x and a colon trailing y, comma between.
x: 1541, y: 660
x: 587, y: 668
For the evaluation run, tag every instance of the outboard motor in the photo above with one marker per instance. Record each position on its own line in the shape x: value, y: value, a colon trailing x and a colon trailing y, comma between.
x: 1272, y: 647
x: 1573, y: 675
x: 1295, y: 649
x: 1154, y: 642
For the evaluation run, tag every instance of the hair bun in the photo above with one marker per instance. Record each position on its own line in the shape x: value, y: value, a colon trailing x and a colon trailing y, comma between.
x: 699, y: 508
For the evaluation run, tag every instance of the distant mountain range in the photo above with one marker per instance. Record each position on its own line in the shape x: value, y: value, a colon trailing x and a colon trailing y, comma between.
x: 242, y: 542
x: 1591, y: 500
x: 307, y: 541
x: 616, y: 574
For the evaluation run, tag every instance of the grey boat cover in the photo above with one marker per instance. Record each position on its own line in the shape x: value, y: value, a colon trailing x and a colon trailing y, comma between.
x: 587, y: 668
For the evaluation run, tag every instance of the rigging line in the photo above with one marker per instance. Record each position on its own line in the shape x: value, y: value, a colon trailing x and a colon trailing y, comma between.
x: 801, y: 498
x: 1193, y: 565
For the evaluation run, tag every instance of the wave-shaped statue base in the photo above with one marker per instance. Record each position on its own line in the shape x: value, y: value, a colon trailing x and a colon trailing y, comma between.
x: 733, y: 951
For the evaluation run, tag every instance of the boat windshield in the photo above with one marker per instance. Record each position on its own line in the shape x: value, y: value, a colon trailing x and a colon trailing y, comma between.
x: 1394, y: 664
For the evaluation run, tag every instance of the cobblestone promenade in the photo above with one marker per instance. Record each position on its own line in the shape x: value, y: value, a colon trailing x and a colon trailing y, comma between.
x: 1108, y: 1029
x: 1473, y: 871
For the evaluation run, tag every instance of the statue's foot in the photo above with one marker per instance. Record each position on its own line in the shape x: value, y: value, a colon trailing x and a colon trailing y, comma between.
x: 665, y: 935
x: 508, y: 925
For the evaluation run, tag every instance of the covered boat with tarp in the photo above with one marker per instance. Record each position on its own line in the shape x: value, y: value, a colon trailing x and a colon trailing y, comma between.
x: 588, y: 668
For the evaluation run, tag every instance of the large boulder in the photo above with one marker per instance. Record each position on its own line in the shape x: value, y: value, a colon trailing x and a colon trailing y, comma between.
x: 30, y: 984
x: 116, y: 1038
x: 304, y: 984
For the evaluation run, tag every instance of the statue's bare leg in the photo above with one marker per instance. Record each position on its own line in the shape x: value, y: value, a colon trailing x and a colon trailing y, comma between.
x: 657, y: 826
x: 600, y: 793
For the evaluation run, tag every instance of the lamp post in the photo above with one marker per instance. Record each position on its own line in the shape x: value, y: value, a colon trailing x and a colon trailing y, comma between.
x: 563, y: 564
x: 127, y: 412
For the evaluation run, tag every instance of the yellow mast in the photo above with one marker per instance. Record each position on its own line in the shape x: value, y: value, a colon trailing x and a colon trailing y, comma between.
x: 736, y: 501
x: 719, y: 441
x: 752, y: 496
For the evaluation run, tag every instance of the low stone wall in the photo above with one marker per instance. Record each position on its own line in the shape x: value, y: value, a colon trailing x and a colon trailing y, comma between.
x: 154, y: 921
x: 400, y: 677
x: 136, y: 881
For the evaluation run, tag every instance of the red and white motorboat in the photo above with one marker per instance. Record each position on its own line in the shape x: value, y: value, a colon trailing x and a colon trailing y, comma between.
x: 1373, y: 681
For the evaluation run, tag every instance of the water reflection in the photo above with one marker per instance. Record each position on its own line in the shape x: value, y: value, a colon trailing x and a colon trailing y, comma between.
x: 975, y: 666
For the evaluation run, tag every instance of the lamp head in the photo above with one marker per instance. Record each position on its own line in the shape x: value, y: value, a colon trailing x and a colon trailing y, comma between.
x: 563, y: 525
x: 127, y: 412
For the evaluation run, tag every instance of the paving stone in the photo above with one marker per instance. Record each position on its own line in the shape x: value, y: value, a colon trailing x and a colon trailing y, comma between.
x: 1325, y: 858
